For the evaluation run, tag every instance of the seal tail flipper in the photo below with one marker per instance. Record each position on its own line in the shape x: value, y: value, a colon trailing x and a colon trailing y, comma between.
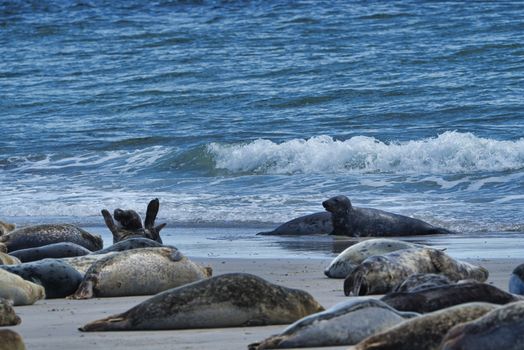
x: 84, y: 291
x: 111, y: 323
x: 269, y: 343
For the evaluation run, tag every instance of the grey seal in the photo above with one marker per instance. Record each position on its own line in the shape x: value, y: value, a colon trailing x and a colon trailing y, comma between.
x: 57, y: 277
x: 420, y: 281
x: 502, y: 328
x: 379, y: 274
x: 129, y: 224
x: 130, y: 243
x: 312, y: 224
x: 426, y: 331
x: 40, y: 235
x: 360, y: 222
x: 142, y: 271
x: 11, y: 340
x: 55, y: 250
x: 346, y: 323
x: 19, y: 291
x: 8, y: 316
x: 84, y: 262
x: 516, y: 280
x: 436, y: 298
x: 6, y: 227
x: 352, y: 256
x: 8, y: 259
x: 229, y: 300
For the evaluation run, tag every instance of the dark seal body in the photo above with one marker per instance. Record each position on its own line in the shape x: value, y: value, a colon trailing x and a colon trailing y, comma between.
x: 40, y: 235
x: 441, y: 297
x: 361, y: 222
x: 54, y: 251
x: 312, y: 224
x: 229, y: 300
x: 57, y: 277
x: 516, y: 280
x: 130, y: 243
x: 420, y: 281
x: 499, y: 329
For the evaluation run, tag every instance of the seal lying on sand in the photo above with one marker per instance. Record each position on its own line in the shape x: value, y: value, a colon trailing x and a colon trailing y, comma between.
x: 55, y: 250
x: 359, y: 222
x: 350, y: 258
x: 130, y: 225
x: 130, y: 243
x: 426, y: 331
x: 8, y: 317
x: 6, y: 227
x: 312, y: 224
x: 84, y: 262
x: 229, y: 300
x: 379, y: 274
x: 57, y: 277
x: 346, y: 323
x: 19, y: 291
x: 502, y: 328
x: 40, y: 235
x: 3, y: 248
x: 8, y: 259
x: 142, y: 271
x: 516, y: 281
x: 441, y: 297
x: 11, y: 340
x: 420, y: 281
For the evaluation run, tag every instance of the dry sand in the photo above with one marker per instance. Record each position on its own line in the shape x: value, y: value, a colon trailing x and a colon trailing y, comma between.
x: 52, y: 324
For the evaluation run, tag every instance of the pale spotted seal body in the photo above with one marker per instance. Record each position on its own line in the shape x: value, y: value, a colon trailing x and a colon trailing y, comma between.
x: 8, y: 317
x: 40, y: 235
x: 10, y: 340
x: 346, y: 323
x: 426, y: 331
x: 142, y: 271
x: 360, y: 222
x: 84, y: 262
x: 19, y: 291
x: 54, y: 251
x: 312, y: 224
x: 229, y: 300
x: 8, y: 259
x: 352, y: 256
x: 420, y: 281
x: 6, y: 227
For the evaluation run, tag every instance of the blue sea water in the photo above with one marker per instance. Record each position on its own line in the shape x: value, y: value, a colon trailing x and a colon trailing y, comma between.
x: 245, y: 114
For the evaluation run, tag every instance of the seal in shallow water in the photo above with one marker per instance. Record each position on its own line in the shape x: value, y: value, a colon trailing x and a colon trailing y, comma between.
x: 499, y: 329
x: 312, y: 224
x: 57, y: 277
x: 8, y: 317
x: 142, y: 271
x: 129, y: 223
x: 10, y: 340
x: 516, y: 281
x: 229, y: 300
x: 40, y: 235
x: 346, y: 323
x: 379, y: 274
x: 55, y: 250
x: 436, y: 298
x: 352, y: 256
x: 19, y: 291
x: 359, y: 222
x: 426, y: 331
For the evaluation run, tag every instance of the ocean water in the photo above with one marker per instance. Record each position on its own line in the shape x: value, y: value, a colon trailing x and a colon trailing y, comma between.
x: 245, y: 114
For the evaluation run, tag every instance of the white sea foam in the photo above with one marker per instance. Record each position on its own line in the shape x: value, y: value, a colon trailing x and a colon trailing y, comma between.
x: 448, y: 153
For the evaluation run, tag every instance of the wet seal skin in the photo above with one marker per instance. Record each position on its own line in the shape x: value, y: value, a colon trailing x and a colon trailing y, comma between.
x: 312, y: 224
x: 228, y: 300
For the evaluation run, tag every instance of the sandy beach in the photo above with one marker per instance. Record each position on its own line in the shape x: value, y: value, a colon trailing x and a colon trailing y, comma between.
x: 52, y: 324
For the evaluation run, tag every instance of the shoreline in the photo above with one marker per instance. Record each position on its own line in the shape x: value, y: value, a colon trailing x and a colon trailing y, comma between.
x: 51, y: 324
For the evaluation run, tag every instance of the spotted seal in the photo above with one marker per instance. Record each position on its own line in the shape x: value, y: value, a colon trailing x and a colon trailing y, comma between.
x: 352, y: 256
x: 436, y: 298
x: 312, y: 224
x: 346, y: 323
x: 130, y: 243
x: 516, y: 281
x: 40, y: 235
x: 129, y: 224
x: 360, y: 222
x: 8, y: 259
x: 502, y: 328
x: 426, y: 331
x: 55, y: 250
x: 3, y: 248
x: 420, y: 281
x: 6, y: 227
x: 57, y: 277
x: 19, y: 291
x: 84, y: 262
x: 228, y: 300
x: 8, y: 317
x: 379, y: 274
x: 142, y: 271
x: 11, y: 340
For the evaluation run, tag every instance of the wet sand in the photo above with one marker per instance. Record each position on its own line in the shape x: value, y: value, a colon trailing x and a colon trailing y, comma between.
x: 52, y: 324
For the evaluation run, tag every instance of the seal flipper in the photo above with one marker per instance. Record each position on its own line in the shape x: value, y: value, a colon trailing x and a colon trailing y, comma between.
x: 111, y: 225
x: 111, y: 323
x: 151, y: 213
